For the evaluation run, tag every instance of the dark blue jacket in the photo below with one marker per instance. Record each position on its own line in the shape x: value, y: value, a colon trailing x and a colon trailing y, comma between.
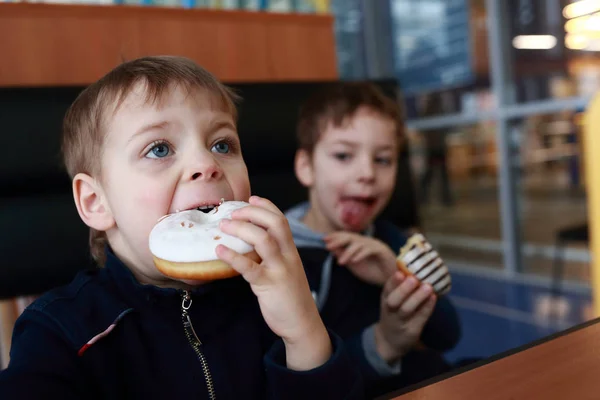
x: 105, y: 336
x: 353, y: 305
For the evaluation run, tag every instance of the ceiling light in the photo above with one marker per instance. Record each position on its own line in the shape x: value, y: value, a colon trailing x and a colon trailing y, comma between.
x: 534, y: 42
x: 580, y: 8
x: 576, y: 42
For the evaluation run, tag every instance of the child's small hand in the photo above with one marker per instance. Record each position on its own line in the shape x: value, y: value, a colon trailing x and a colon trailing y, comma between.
x: 367, y: 258
x: 278, y: 281
x: 405, y: 308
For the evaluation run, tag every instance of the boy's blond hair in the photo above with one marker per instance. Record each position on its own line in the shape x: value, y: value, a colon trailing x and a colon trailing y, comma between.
x: 336, y: 103
x: 85, y: 123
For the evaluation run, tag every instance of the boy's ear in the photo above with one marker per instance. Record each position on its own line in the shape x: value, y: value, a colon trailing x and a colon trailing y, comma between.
x: 91, y: 203
x: 303, y: 168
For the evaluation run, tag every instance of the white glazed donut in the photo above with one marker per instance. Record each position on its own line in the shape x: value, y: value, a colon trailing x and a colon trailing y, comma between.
x: 183, y: 244
x: 419, y: 259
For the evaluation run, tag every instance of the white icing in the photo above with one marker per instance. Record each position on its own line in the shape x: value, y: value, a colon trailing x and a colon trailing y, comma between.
x: 437, y: 275
x: 444, y: 283
x: 425, y: 263
x: 429, y: 269
x: 193, y: 235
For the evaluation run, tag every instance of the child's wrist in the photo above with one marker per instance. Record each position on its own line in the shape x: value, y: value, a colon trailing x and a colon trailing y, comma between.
x: 310, y: 350
x: 386, y: 351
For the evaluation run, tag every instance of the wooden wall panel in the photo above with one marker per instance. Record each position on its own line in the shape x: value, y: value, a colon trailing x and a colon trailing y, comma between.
x: 58, y: 45
x: 302, y: 51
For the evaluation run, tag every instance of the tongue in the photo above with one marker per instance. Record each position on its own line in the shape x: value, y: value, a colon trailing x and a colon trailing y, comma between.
x: 354, y: 213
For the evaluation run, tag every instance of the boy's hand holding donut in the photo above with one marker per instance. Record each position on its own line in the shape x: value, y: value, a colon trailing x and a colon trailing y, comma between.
x: 406, y: 305
x: 278, y: 281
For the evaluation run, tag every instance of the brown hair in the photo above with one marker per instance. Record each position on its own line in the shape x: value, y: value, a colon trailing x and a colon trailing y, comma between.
x: 86, y: 120
x: 338, y: 102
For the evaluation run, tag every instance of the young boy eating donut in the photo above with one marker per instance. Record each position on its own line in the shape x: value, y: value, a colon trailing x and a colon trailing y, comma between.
x: 349, y: 137
x: 154, y: 136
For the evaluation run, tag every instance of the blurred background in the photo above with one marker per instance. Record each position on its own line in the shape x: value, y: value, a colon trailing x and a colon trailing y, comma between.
x: 493, y: 92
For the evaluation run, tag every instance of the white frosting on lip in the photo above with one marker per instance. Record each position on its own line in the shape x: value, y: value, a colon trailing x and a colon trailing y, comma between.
x: 191, y: 236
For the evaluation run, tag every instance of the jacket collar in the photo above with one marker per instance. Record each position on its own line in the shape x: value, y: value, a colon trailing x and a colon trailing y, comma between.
x: 138, y: 294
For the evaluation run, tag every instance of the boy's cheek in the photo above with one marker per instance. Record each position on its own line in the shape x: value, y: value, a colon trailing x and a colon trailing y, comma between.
x: 242, y: 190
x: 149, y: 206
x: 240, y: 183
x: 151, y: 202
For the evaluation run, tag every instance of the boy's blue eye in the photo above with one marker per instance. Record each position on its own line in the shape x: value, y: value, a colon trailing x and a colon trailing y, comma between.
x: 342, y: 156
x: 159, y: 151
x: 383, y: 160
x: 221, y: 147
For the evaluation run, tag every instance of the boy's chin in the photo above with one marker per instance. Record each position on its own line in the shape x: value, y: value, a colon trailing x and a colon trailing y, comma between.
x: 181, y: 284
x: 357, y: 225
x: 355, y: 218
x: 357, y: 228
x: 354, y: 228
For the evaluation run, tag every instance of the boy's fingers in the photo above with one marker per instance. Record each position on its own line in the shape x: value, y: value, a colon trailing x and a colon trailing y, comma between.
x: 257, y: 215
x: 337, y: 239
x: 390, y: 284
x: 265, y: 203
x: 275, y: 223
x: 415, y: 300
x: 400, y: 294
x: 364, y: 253
x: 422, y: 315
x: 250, y: 270
x: 335, y: 235
x: 349, y: 252
x: 264, y: 243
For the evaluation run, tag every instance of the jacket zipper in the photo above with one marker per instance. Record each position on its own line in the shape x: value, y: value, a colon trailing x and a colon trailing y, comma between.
x: 195, y: 342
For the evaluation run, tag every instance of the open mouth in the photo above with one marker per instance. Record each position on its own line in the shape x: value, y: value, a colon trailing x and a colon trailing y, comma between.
x: 205, y: 208
x: 356, y: 211
x: 367, y: 201
x: 208, y: 207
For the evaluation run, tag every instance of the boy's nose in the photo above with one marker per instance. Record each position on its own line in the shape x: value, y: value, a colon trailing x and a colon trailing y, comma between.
x: 205, y: 171
x: 366, y: 172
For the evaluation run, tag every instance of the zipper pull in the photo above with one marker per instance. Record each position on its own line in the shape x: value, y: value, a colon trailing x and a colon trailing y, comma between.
x: 186, y: 303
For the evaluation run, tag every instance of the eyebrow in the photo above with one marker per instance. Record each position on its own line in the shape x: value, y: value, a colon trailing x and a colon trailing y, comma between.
x: 385, y: 147
x: 149, y: 127
x: 354, y: 144
x: 213, y: 127
x: 218, y: 124
x: 345, y: 142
